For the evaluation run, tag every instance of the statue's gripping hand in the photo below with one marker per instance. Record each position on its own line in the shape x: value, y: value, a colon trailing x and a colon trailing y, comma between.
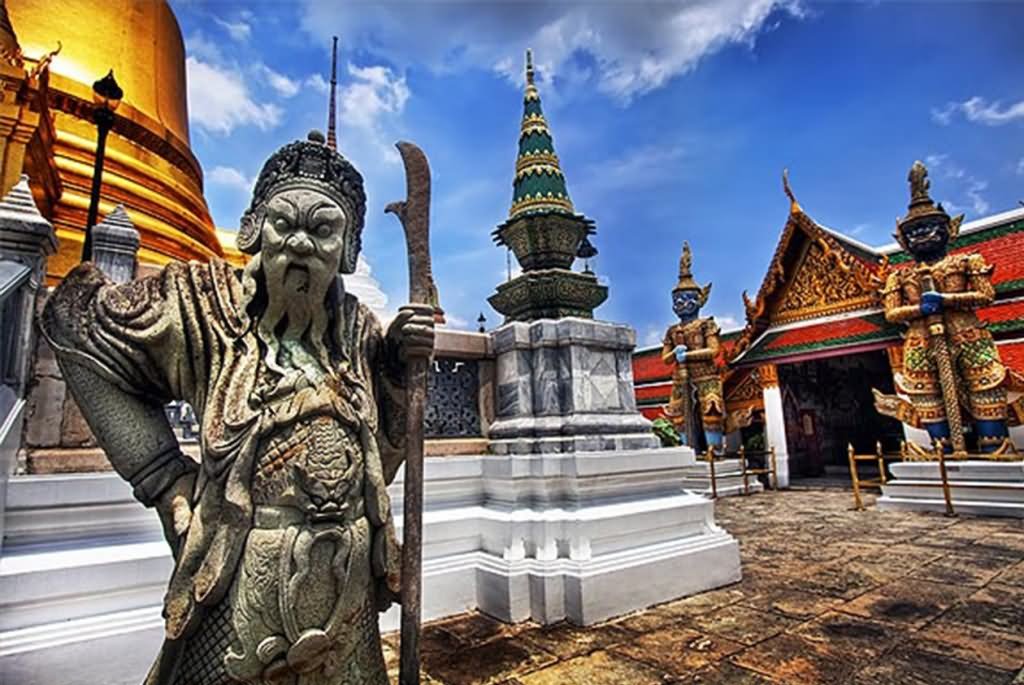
x: 412, y: 331
x: 174, y: 506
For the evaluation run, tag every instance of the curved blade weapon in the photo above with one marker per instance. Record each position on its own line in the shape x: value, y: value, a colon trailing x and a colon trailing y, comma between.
x: 414, y: 213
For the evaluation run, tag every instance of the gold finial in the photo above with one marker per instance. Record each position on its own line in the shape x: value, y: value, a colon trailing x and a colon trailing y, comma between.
x: 529, y: 67
x: 794, y: 206
x: 686, y: 281
x: 919, y: 184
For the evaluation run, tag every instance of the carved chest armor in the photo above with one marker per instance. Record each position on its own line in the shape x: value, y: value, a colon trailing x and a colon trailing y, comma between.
x: 302, y: 590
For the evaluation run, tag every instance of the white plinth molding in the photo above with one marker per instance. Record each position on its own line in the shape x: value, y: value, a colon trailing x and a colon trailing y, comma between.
x: 577, y: 536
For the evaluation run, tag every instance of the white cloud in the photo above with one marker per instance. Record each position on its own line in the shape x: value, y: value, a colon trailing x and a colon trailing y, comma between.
x: 232, y: 178
x: 374, y: 98
x: 980, y: 111
x: 238, y: 30
x: 636, y: 47
x: 1020, y: 167
x: 641, y: 167
x: 198, y: 45
x: 219, y: 101
x: 941, y: 166
x: 727, y: 321
x: 374, y: 91
x: 318, y: 83
x: 284, y: 86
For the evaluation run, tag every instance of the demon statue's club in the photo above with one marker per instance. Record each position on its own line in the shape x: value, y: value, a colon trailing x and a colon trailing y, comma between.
x: 692, y: 347
x: 282, y: 535
x: 950, y: 363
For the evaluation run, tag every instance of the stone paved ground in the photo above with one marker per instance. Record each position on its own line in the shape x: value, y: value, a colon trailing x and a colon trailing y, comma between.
x: 828, y: 595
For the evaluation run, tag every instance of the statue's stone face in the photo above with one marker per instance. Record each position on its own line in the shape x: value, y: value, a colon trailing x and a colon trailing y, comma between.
x: 686, y: 304
x: 305, y: 230
x: 927, y: 239
x: 301, y: 245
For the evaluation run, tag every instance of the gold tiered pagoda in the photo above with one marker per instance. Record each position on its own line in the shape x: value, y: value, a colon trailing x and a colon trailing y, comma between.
x: 48, y: 133
x: 544, y: 231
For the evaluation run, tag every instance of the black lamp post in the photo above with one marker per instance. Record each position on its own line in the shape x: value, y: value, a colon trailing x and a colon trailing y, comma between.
x: 481, y: 323
x: 106, y: 96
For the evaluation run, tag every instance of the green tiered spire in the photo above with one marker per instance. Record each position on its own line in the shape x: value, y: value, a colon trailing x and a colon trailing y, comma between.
x: 544, y: 231
x: 539, y: 185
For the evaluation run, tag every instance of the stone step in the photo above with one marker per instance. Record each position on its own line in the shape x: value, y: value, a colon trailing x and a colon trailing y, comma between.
x: 990, y: 488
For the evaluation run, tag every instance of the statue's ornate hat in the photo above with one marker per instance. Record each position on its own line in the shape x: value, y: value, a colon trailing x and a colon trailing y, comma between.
x: 311, y: 164
x: 922, y: 206
x: 686, y: 281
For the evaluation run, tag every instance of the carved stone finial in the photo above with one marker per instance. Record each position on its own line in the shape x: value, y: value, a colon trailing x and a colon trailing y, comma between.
x: 23, y: 229
x: 116, y: 246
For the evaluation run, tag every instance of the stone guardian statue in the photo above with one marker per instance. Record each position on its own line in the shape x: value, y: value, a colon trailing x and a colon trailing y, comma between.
x: 282, y: 534
x: 691, y: 347
x: 951, y: 366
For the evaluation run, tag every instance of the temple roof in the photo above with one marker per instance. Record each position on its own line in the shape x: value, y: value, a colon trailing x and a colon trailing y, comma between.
x: 539, y: 185
x: 818, y: 273
x: 826, y: 337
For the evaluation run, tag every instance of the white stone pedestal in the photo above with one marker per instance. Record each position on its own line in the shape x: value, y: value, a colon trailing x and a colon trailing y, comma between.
x: 728, y: 478
x: 578, y: 536
x: 989, y: 488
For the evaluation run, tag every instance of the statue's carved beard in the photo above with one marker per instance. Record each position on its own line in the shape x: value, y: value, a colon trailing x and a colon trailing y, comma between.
x: 295, y: 318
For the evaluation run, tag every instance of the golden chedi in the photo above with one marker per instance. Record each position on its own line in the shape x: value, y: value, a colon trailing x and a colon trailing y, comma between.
x: 149, y: 166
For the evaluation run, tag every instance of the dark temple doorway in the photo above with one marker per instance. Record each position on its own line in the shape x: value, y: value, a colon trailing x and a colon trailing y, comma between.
x: 828, y: 404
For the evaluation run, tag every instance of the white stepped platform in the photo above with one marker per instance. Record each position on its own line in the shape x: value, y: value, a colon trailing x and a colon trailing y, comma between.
x: 987, y: 488
x: 728, y: 478
x: 577, y: 536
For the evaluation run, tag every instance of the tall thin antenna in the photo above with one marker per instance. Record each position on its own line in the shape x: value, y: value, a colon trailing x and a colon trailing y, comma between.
x: 332, y: 138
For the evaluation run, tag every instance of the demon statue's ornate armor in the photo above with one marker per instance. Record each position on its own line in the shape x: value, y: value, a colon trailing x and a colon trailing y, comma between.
x: 691, y: 346
x: 282, y: 534
x: 950, y: 362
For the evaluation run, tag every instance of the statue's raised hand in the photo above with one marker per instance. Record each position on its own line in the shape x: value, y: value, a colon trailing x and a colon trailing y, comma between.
x: 413, y: 331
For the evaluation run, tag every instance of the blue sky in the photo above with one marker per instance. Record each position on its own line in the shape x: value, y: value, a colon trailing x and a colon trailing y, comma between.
x: 673, y: 122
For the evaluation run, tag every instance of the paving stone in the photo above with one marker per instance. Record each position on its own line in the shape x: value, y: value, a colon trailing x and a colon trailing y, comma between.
x: 488, y: 662
x: 850, y: 636
x: 910, y: 665
x: 1013, y: 575
x: 963, y: 569
x: 793, y: 660
x: 678, y: 650
x: 793, y: 603
x: 700, y: 604
x: 743, y: 624
x: 997, y: 607
x: 599, y: 668
x: 723, y: 673
x: 828, y: 596
x: 907, y: 601
x: 973, y: 643
x: 566, y: 641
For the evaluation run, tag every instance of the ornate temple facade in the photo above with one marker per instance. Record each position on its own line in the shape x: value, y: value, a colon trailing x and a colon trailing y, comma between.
x: 816, y: 340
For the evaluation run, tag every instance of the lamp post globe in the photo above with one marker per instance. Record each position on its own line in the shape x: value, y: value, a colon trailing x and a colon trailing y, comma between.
x: 106, y: 97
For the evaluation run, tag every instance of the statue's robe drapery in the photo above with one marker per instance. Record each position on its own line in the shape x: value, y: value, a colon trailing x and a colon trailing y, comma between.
x: 184, y: 334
